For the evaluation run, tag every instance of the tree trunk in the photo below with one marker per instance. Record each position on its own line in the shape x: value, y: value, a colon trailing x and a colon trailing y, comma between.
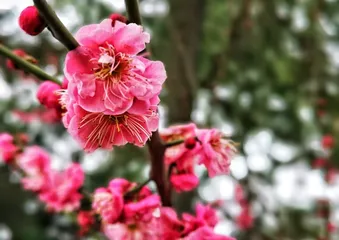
x: 179, y: 50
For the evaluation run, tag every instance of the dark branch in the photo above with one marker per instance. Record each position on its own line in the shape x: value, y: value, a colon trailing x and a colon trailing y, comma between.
x: 132, y: 9
x: 27, y: 66
x: 57, y: 28
x: 158, y: 171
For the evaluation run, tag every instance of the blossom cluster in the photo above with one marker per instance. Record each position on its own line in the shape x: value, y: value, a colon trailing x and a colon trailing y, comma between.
x: 128, y: 215
x: 195, y: 146
x: 59, y: 190
x: 125, y: 211
x: 112, y: 95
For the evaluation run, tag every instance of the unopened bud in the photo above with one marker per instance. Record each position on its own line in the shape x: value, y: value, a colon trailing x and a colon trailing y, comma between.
x: 31, y: 22
x: 190, y: 142
x: 117, y: 17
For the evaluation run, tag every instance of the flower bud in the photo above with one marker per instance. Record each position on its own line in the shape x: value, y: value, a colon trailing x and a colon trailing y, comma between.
x: 190, y: 142
x: 31, y: 22
x: 117, y: 17
x: 47, y: 96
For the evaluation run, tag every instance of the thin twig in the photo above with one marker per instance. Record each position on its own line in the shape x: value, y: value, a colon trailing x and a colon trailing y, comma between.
x: 27, y: 66
x: 137, y: 188
x: 157, y: 152
x: 57, y: 28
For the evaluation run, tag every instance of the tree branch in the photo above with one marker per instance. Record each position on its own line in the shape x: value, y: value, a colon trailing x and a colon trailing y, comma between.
x: 155, y: 145
x: 57, y: 28
x: 132, y: 9
x: 27, y: 66
x: 158, y: 174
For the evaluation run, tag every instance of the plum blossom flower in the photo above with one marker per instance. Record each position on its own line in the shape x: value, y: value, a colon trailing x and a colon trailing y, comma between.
x: 105, y: 72
x: 134, y: 216
x: 35, y: 163
x: 135, y: 231
x: 61, y: 192
x: 184, y: 182
x: 98, y: 130
x: 182, y: 176
x: 108, y: 204
x: 142, y: 209
x: 199, y: 227
x: 178, y: 133
x: 171, y: 226
x: 245, y: 219
x: 216, y: 152
x: 8, y: 149
x: 85, y: 220
x: 205, y: 216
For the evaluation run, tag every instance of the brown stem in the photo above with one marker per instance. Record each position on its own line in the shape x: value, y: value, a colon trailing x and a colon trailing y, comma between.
x: 27, y: 66
x: 155, y: 145
x: 158, y: 174
x: 57, y: 28
x: 132, y: 9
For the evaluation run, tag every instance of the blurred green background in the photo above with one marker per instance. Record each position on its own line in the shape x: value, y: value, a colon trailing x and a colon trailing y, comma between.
x: 256, y: 69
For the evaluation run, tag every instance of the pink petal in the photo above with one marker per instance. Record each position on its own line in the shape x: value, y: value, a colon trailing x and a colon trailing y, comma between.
x: 78, y: 61
x: 130, y: 39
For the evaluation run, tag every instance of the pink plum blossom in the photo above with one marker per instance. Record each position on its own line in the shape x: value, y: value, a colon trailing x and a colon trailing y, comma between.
x: 182, y: 176
x: 129, y: 216
x: 61, y: 192
x: 245, y: 219
x: 85, y: 220
x: 184, y: 182
x: 141, y: 210
x: 121, y: 185
x: 108, y: 204
x: 206, y: 214
x: 133, y: 231
x: 35, y: 163
x: 216, y: 152
x: 171, y: 226
x: 191, y: 227
x: 8, y: 149
x: 98, y: 130
x: 177, y: 133
x: 104, y: 72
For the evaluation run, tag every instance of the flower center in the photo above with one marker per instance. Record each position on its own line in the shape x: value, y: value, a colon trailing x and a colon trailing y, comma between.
x: 118, y: 120
x: 110, y: 64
